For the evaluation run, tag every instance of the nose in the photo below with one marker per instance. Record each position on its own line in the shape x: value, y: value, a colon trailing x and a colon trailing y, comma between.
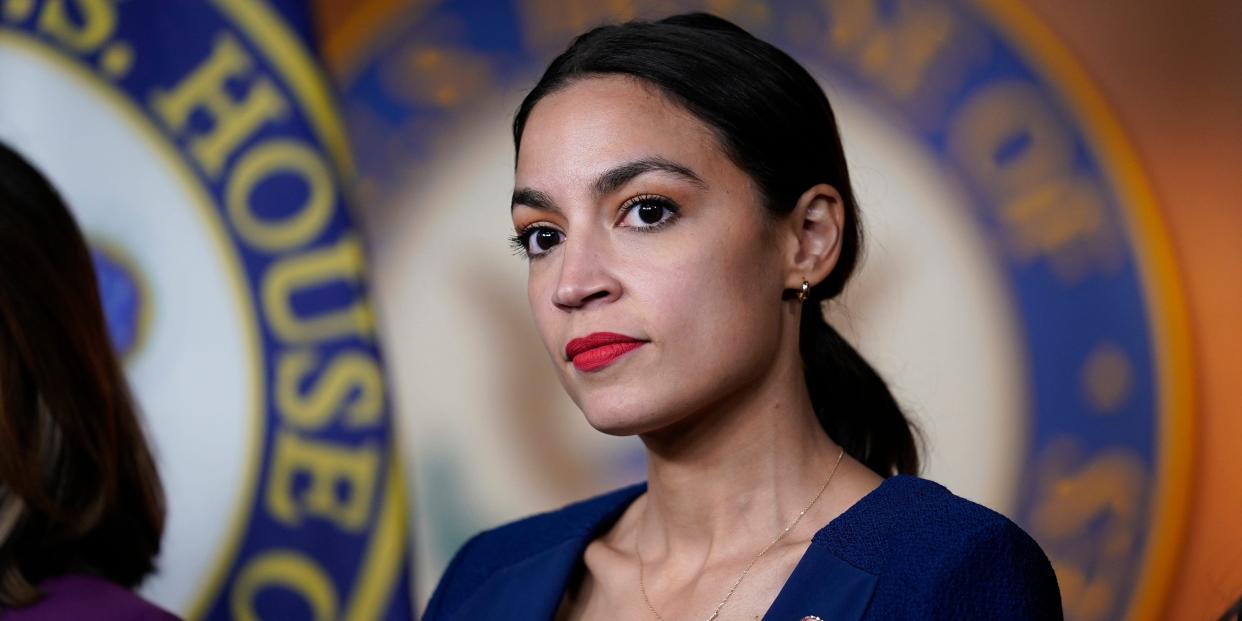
x: 584, y: 279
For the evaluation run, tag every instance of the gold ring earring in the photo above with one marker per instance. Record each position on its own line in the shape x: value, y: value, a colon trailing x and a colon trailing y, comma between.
x: 806, y: 290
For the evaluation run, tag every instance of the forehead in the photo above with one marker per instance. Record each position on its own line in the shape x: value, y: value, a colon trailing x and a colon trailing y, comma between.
x: 596, y: 123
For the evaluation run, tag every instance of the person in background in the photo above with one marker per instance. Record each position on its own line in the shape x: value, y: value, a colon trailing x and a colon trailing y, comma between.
x: 682, y: 195
x: 1234, y: 613
x: 81, y: 504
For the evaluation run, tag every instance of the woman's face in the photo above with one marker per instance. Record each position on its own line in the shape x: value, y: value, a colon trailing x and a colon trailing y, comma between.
x: 656, y: 276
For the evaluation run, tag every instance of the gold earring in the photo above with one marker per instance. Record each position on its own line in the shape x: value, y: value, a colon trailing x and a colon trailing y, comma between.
x: 806, y: 290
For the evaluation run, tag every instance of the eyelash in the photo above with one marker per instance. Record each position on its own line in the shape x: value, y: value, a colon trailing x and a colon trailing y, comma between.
x: 520, y: 241
x: 655, y: 199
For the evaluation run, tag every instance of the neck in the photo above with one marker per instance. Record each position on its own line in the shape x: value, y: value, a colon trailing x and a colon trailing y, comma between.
x: 721, y: 481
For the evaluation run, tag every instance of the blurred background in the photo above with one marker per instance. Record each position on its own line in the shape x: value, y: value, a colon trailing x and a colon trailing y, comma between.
x: 1051, y: 284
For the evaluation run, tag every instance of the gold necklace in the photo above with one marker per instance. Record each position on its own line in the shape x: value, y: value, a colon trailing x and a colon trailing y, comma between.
x: 715, y: 613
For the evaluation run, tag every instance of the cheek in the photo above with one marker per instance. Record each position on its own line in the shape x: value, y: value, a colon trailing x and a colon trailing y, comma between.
x: 539, y: 295
x: 716, y: 294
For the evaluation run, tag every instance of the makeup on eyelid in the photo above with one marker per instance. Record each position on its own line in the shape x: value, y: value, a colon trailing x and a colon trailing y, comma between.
x: 668, y: 213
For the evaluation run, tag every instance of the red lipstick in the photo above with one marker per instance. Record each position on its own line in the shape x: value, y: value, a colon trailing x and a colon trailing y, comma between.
x: 600, y: 349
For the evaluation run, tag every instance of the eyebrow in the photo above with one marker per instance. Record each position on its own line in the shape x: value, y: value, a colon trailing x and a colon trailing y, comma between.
x: 610, y: 181
x: 533, y: 199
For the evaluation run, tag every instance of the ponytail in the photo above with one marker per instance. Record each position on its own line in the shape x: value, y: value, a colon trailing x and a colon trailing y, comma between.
x: 852, y: 402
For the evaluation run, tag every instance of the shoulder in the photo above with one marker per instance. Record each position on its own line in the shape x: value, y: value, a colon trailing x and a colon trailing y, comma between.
x: 908, y: 518
x: 88, y: 597
x: 956, y: 557
x: 504, y: 546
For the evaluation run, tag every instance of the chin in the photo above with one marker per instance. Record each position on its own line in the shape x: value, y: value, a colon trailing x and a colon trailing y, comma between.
x: 625, y: 415
x: 614, y: 427
x: 619, y: 414
x: 631, y: 400
x: 617, y: 421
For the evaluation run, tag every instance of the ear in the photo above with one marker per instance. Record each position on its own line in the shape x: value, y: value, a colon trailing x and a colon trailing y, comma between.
x: 816, y: 223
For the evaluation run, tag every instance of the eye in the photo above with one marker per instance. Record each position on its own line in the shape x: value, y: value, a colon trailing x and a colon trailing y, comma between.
x: 536, y: 240
x: 647, y: 212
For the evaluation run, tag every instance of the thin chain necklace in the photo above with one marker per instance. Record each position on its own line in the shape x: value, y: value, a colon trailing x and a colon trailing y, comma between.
x: 715, y: 613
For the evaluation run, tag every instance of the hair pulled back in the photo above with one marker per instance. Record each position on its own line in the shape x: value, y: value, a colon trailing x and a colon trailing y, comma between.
x: 774, y: 122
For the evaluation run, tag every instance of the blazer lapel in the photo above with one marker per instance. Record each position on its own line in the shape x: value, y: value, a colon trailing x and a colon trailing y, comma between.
x: 822, y: 585
x: 531, y: 589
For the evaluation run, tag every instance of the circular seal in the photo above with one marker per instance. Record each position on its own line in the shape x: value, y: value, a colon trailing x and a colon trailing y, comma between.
x: 1019, y: 293
x: 197, y: 146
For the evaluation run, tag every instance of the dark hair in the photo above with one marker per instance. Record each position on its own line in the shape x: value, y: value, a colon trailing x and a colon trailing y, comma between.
x: 774, y: 121
x: 1234, y: 613
x: 78, y: 487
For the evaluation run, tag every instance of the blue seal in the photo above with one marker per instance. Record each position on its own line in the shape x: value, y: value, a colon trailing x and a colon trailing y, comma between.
x: 1053, y: 187
x: 230, y: 87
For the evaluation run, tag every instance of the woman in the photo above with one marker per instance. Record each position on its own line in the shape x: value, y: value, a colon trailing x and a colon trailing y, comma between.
x: 682, y: 195
x: 81, y: 506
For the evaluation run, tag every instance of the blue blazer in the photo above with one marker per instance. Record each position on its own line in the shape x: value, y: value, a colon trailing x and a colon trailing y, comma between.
x: 908, y: 550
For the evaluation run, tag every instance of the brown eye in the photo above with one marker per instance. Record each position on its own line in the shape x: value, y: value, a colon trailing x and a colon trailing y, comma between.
x: 648, y: 212
x: 541, y: 240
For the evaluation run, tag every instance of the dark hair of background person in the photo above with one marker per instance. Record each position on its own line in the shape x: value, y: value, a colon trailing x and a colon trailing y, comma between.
x: 79, y: 492
x: 1234, y: 613
x: 775, y: 123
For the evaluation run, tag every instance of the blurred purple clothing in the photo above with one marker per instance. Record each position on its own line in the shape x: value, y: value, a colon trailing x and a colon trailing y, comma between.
x: 82, y: 597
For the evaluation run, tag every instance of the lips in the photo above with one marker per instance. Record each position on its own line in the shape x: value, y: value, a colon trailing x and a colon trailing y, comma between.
x: 596, y: 351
